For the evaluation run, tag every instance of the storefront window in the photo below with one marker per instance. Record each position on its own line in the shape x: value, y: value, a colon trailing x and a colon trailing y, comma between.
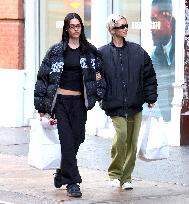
x: 152, y: 24
x: 131, y: 10
x: 162, y: 50
x: 52, y: 13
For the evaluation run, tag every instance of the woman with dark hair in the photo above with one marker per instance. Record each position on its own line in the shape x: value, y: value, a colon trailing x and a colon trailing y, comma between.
x: 69, y: 82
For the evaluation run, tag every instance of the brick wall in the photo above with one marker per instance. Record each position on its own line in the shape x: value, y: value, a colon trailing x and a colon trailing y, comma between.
x: 11, y: 34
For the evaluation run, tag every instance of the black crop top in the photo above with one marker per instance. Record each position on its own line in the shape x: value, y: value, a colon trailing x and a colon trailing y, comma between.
x: 72, y: 78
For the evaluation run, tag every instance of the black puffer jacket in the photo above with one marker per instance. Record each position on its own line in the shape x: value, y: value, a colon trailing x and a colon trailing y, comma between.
x: 50, y: 71
x: 130, y: 77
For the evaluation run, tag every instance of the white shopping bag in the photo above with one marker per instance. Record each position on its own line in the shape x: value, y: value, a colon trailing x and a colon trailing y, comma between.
x: 153, y: 139
x: 141, y: 133
x: 44, y: 146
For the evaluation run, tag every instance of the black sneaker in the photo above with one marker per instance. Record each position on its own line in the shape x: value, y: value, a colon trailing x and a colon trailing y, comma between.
x: 58, y: 178
x: 73, y: 190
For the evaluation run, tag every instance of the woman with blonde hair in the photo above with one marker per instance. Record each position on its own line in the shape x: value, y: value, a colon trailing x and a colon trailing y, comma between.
x: 131, y: 82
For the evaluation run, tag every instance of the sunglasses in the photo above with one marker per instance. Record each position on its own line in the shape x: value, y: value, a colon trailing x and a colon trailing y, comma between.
x: 122, y: 26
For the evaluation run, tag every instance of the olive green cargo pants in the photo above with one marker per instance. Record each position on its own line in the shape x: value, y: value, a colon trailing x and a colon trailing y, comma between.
x: 124, y: 147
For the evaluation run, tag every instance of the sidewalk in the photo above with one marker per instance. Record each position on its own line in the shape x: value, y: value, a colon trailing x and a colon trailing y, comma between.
x: 17, y: 176
x: 23, y: 184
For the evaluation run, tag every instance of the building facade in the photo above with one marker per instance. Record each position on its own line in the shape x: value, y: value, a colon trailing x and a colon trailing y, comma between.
x: 11, y: 62
x: 28, y: 28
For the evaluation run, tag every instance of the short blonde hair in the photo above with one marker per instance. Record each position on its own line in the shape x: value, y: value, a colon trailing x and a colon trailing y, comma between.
x: 112, y: 21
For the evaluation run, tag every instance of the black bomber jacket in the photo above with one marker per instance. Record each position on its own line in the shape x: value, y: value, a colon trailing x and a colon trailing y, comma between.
x: 130, y: 79
x: 50, y: 71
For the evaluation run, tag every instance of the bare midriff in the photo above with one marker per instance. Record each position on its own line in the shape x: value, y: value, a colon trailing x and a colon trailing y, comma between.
x: 68, y: 92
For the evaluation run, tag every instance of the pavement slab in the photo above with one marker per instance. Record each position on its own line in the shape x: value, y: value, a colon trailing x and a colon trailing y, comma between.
x: 17, y: 177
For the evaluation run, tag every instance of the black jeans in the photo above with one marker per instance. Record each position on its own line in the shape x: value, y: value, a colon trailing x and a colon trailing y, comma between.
x: 71, y: 116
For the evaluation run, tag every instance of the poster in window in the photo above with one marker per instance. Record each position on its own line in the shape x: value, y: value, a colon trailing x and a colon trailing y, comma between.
x: 158, y: 25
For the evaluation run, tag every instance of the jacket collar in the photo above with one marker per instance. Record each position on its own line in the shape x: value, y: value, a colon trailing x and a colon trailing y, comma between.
x: 113, y: 45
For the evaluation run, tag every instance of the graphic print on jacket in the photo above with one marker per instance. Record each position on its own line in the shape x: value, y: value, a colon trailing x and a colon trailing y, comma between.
x: 57, y: 67
x: 89, y: 79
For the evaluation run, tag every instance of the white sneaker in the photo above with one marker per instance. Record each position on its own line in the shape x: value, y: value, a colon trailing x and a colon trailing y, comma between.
x: 115, y: 183
x: 127, y: 186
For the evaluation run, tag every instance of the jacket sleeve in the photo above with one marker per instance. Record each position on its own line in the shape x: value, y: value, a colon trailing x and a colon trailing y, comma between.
x: 149, y: 80
x: 42, y: 84
x: 101, y: 84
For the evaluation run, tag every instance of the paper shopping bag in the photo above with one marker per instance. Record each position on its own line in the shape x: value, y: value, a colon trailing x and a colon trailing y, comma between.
x: 44, y: 146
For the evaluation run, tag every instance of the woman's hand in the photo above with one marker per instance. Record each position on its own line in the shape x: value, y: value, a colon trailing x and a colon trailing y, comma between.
x: 52, y: 121
x: 98, y: 76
